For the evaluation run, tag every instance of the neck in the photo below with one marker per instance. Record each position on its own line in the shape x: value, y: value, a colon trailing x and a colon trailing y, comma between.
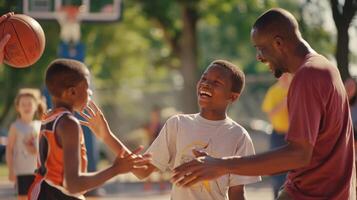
x: 301, y: 50
x: 213, y: 114
x: 26, y: 120
x: 61, y: 104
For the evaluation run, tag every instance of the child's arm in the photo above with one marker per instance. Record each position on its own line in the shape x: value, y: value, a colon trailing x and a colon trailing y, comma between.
x: 96, y: 121
x: 236, y: 192
x: 10, y: 152
x: 68, y: 135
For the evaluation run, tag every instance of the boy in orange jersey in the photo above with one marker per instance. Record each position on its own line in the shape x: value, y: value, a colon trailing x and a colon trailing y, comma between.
x: 62, y: 155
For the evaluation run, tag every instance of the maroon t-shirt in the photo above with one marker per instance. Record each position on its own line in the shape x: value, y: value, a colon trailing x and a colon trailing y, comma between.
x: 319, y: 114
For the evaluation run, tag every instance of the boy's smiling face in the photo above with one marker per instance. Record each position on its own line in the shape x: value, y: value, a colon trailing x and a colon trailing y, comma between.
x: 214, y: 89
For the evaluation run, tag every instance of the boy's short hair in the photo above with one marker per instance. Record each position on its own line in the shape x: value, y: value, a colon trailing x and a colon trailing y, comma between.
x: 62, y: 74
x: 238, y: 77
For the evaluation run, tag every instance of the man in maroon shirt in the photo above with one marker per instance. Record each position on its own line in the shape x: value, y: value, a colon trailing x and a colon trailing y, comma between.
x: 319, y: 155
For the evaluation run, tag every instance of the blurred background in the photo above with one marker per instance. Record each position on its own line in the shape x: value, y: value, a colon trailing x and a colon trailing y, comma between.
x: 148, y: 55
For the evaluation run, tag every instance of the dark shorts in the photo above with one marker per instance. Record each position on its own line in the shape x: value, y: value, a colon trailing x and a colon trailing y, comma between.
x: 48, y: 192
x: 23, y: 183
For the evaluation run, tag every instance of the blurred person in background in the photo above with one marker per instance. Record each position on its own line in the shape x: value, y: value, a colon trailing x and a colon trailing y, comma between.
x: 22, y: 146
x: 275, y: 106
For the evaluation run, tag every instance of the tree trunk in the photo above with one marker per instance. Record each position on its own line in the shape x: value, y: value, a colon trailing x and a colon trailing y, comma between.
x: 188, y: 58
x: 342, y: 51
x: 342, y: 16
x: 9, y: 90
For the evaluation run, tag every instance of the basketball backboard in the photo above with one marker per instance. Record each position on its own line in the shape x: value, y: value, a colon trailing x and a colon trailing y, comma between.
x: 90, y: 10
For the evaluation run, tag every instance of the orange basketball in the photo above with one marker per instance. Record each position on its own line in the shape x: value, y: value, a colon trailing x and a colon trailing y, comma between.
x: 27, y: 40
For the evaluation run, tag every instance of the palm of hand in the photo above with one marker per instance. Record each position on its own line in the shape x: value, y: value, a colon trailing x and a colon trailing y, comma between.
x: 95, y: 120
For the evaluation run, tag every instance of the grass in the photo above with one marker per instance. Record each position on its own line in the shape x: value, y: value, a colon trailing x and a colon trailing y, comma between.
x: 3, y: 171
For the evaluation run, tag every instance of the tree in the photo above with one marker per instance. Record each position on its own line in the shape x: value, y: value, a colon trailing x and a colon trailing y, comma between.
x: 343, y: 15
x: 180, y: 32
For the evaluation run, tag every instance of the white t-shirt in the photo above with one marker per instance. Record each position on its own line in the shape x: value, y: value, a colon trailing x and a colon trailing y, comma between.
x: 182, y: 133
x: 24, y: 161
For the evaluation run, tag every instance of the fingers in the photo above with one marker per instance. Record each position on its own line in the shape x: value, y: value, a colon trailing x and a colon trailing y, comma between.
x: 199, y: 153
x: 4, y: 41
x: 187, y: 180
x: 5, y: 16
x: 84, y: 115
x: 90, y: 112
x: 95, y: 107
x: 84, y: 123
x: 183, y: 170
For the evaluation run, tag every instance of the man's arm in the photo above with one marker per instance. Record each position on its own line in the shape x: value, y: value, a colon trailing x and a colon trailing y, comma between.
x: 236, y: 193
x: 293, y: 155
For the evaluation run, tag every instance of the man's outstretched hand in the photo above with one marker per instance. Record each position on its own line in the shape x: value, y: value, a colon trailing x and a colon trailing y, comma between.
x: 203, y: 167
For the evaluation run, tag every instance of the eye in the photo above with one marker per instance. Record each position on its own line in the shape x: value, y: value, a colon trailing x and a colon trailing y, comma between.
x: 218, y: 82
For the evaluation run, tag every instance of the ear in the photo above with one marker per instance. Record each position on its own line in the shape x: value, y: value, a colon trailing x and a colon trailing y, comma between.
x: 234, y: 96
x: 69, y: 92
x: 278, y: 42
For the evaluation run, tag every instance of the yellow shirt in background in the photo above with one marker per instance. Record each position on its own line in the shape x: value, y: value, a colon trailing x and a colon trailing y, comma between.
x: 275, y: 96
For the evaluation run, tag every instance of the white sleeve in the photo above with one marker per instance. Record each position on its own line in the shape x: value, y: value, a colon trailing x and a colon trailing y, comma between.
x: 244, y: 148
x: 163, y: 149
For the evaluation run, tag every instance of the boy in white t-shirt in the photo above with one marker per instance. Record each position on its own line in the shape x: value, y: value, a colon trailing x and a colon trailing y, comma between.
x: 211, y: 131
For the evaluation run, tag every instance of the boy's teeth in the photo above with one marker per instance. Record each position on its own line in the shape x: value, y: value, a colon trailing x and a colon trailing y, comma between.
x: 206, y: 93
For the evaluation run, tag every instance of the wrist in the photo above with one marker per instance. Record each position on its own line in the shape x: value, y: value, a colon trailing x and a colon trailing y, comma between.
x: 106, y: 135
x: 228, y: 165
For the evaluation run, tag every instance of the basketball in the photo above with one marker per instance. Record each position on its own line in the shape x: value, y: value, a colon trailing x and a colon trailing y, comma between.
x: 27, y: 40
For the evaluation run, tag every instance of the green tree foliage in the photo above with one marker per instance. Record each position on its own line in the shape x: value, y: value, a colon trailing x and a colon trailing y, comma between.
x: 138, y: 62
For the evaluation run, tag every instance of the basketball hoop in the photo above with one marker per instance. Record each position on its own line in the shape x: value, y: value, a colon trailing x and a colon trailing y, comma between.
x: 68, y: 18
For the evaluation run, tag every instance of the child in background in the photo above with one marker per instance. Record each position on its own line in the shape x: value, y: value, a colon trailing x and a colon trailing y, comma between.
x: 21, y: 150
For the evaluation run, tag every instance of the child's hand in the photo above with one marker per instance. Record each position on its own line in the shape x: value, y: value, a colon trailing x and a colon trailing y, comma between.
x: 95, y: 120
x: 126, y: 163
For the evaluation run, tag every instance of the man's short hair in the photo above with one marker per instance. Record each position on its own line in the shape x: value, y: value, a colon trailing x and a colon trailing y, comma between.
x: 277, y: 19
x: 238, y: 77
x: 62, y: 74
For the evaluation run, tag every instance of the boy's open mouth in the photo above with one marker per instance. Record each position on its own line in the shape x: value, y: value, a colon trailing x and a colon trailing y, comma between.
x: 205, y: 93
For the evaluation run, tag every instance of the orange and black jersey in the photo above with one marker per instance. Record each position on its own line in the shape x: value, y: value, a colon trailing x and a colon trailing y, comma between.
x: 50, y: 160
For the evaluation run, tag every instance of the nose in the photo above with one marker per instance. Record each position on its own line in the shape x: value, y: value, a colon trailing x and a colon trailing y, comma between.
x: 260, y: 58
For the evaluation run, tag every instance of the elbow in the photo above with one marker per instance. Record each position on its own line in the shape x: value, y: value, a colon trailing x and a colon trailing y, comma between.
x: 72, y: 187
x: 72, y: 190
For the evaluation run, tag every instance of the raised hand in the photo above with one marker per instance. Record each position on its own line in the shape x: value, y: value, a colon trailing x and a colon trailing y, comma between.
x: 126, y: 163
x: 204, y: 167
x: 6, y: 38
x: 95, y: 120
